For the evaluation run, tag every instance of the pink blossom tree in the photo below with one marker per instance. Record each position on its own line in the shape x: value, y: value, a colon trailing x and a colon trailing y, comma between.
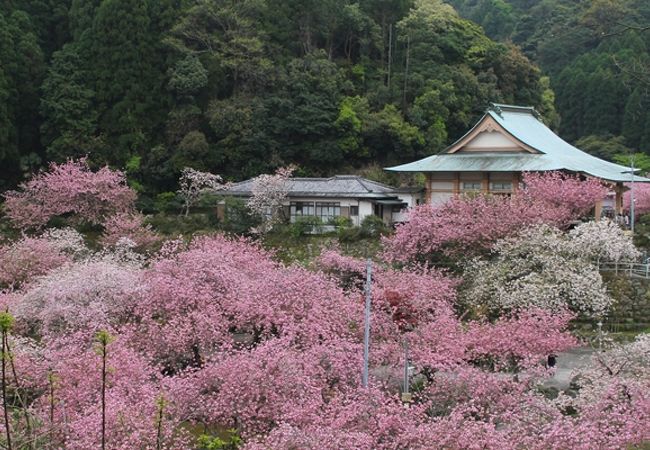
x: 128, y: 226
x: 22, y: 261
x: 476, y: 222
x: 215, y: 333
x: 641, y: 198
x: 70, y: 188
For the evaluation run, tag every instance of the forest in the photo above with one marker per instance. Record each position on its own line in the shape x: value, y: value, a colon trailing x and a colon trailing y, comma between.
x: 240, y: 88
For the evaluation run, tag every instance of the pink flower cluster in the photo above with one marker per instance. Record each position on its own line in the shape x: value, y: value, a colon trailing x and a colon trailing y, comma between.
x: 69, y: 188
x: 228, y: 337
x: 474, y: 223
x: 641, y: 198
x: 216, y: 334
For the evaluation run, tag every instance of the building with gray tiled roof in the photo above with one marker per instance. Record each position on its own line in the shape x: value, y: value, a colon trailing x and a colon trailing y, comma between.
x: 341, y: 195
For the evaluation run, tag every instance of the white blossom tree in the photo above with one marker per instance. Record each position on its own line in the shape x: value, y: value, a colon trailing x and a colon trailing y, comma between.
x: 546, y: 268
x: 194, y: 183
x: 602, y: 240
x: 620, y: 373
x: 268, y: 194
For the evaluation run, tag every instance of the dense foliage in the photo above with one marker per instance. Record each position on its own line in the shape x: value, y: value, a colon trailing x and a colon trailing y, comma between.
x: 597, y: 54
x: 240, y: 88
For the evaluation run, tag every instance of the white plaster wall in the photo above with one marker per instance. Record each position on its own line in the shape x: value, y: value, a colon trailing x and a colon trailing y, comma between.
x: 365, y: 209
x: 491, y: 140
x: 438, y: 198
x: 411, y: 199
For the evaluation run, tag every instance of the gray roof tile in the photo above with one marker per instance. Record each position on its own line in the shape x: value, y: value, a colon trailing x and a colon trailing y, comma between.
x: 337, y: 186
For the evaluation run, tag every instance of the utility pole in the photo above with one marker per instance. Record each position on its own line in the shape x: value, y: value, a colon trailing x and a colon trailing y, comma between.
x: 632, y: 194
x: 366, y: 330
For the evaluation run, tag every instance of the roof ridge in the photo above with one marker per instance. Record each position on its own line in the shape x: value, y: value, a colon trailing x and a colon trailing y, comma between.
x: 501, y: 107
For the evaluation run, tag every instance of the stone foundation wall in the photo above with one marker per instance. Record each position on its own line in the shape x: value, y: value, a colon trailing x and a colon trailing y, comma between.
x: 631, y: 312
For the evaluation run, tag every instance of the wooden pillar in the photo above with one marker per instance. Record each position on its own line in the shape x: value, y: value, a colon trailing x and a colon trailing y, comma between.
x: 515, y: 182
x: 485, y: 183
x: 427, y: 190
x: 598, y: 209
x: 456, y: 183
x: 619, y: 198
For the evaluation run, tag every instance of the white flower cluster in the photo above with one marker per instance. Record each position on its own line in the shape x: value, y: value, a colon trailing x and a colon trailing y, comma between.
x: 603, y: 241
x: 268, y: 194
x: 194, y: 183
x: 67, y: 240
x: 621, y: 370
x: 546, y: 268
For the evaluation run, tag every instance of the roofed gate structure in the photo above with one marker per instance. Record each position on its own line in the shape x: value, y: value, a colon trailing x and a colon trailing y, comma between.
x: 507, y: 141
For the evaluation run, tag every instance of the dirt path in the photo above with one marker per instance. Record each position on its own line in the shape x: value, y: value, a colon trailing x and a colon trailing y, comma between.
x: 566, y: 362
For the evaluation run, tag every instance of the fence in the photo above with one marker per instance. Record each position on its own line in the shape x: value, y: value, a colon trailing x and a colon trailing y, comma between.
x: 631, y: 269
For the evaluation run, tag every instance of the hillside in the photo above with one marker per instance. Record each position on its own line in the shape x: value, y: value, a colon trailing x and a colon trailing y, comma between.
x: 597, y: 54
x: 241, y: 87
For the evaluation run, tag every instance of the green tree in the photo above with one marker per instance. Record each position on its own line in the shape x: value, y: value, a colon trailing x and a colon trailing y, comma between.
x: 128, y: 72
x: 228, y: 31
x: 606, y: 146
x: 70, y: 121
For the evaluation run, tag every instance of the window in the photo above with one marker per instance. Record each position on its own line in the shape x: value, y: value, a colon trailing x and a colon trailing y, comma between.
x: 354, y: 210
x: 327, y: 210
x: 471, y: 186
x: 299, y: 209
x: 501, y: 186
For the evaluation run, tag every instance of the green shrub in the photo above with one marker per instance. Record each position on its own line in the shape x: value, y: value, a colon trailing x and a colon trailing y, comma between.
x: 350, y: 234
x: 172, y: 225
x: 373, y: 226
x: 167, y: 202
x: 306, y: 225
x: 340, y: 222
x: 238, y: 218
x: 230, y: 440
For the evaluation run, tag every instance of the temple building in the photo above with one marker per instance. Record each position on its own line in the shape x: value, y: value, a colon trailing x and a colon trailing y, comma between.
x: 507, y: 141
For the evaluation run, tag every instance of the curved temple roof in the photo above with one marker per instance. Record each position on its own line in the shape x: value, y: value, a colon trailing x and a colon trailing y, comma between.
x: 522, y: 124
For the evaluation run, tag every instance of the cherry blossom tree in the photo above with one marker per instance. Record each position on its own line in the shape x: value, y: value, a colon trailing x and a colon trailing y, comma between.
x: 541, y: 267
x: 194, y: 183
x: 471, y: 224
x: 602, y: 241
x: 24, y: 260
x: 269, y: 192
x: 70, y: 188
x: 88, y: 295
x: 641, y: 198
x: 128, y: 226
x: 215, y: 333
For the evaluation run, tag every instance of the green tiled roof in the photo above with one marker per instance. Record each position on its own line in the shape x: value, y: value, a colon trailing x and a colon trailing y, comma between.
x: 523, y: 124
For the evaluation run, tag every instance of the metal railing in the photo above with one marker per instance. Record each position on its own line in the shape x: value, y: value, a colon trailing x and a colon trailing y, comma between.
x: 631, y: 269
